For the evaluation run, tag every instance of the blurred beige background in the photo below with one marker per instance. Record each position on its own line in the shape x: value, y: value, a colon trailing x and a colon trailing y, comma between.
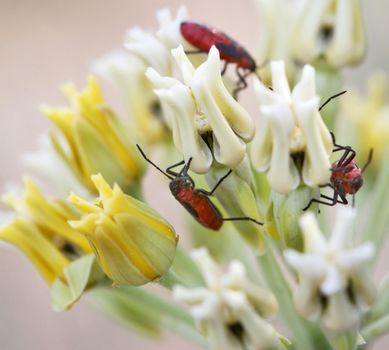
x: 44, y: 43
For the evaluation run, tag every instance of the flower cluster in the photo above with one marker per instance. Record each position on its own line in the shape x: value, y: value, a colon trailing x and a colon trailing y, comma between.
x: 264, y: 169
x: 333, y: 279
x: 230, y: 311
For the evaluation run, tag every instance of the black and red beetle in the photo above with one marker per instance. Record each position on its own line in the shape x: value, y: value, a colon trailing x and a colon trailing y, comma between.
x: 203, y: 38
x: 195, y: 201
x: 346, y: 177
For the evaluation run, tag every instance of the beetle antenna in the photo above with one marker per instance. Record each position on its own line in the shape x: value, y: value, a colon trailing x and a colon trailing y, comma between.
x: 154, y: 165
x: 331, y: 98
x: 370, y: 157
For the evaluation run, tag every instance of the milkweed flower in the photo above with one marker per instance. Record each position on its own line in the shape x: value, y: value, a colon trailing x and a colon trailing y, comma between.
x: 231, y: 310
x: 95, y: 139
x: 201, y: 108
x: 127, y: 72
x: 332, y: 29
x: 154, y: 49
x: 132, y: 243
x: 41, y: 231
x: 290, y: 125
x: 333, y: 282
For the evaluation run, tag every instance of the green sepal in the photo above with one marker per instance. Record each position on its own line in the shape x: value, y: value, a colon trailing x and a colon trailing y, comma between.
x: 183, y: 271
x: 238, y: 200
x: 96, y: 156
x: 80, y: 275
x: 287, y: 210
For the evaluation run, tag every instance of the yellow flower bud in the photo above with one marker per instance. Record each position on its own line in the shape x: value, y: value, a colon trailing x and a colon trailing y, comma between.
x: 133, y: 244
x: 41, y: 231
x: 96, y: 139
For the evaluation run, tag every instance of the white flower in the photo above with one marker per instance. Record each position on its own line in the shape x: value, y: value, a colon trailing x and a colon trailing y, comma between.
x: 333, y: 28
x: 289, y: 124
x: 127, y: 72
x: 200, y: 105
x: 276, y: 22
x: 333, y: 280
x: 229, y: 302
x: 154, y: 50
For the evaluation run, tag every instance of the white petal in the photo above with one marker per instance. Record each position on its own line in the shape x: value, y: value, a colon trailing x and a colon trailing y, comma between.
x: 149, y: 49
x: 183, y: 62
x: 309, y: 266
x: 345, y: 217
x: 280, y: 83
x: 341, y: 314
x: 169, y: 29
x: 316, y: 168
x: 210, y: 270
x: 314, y: 242
x: 334, y: 281
x: 306, y: 88
x: 355, y: 258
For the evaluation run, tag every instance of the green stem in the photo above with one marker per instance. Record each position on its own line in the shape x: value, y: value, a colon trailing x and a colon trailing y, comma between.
x: 305, y: 334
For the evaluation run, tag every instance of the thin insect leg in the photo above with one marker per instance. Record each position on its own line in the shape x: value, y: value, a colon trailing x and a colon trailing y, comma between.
x: 344, y: 161
x: 210, y: 193
x: 244, y: 218
x: 194, y: 52
x: 170, y: 172
x: 332, y: 200
x: 225, y: 67
x: 185, y: 169
x: 154, y: 165
x: 370, y: 157
x: 241, y: 85
x: 353, y: 202
x: 331, y: 98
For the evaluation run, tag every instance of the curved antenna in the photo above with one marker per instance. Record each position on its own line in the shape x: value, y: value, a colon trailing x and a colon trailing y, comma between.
x: 331, y: 98
x: 154, y: 165
x: 370, y: 157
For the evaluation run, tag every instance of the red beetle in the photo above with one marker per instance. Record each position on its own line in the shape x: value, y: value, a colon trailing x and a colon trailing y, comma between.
x: 346, y: 177
x: 195, y: 201
x: 203, y: 38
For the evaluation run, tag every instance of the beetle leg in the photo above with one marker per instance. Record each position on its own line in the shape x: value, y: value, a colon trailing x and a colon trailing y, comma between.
x: 224, y: 68
x: 170, y: 172
x: 332, y: 200
x: 343, y: 161
x: 331, y: 98
x: 241, y: 85
x: 153, y: 164
x: 210, y: 193
x: 346, y: 158
x: 185, y: 169
x: 244, y: 218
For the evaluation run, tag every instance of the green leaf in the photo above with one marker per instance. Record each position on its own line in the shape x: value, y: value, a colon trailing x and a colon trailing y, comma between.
x: 80, y: 274
x: 144, y: 312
